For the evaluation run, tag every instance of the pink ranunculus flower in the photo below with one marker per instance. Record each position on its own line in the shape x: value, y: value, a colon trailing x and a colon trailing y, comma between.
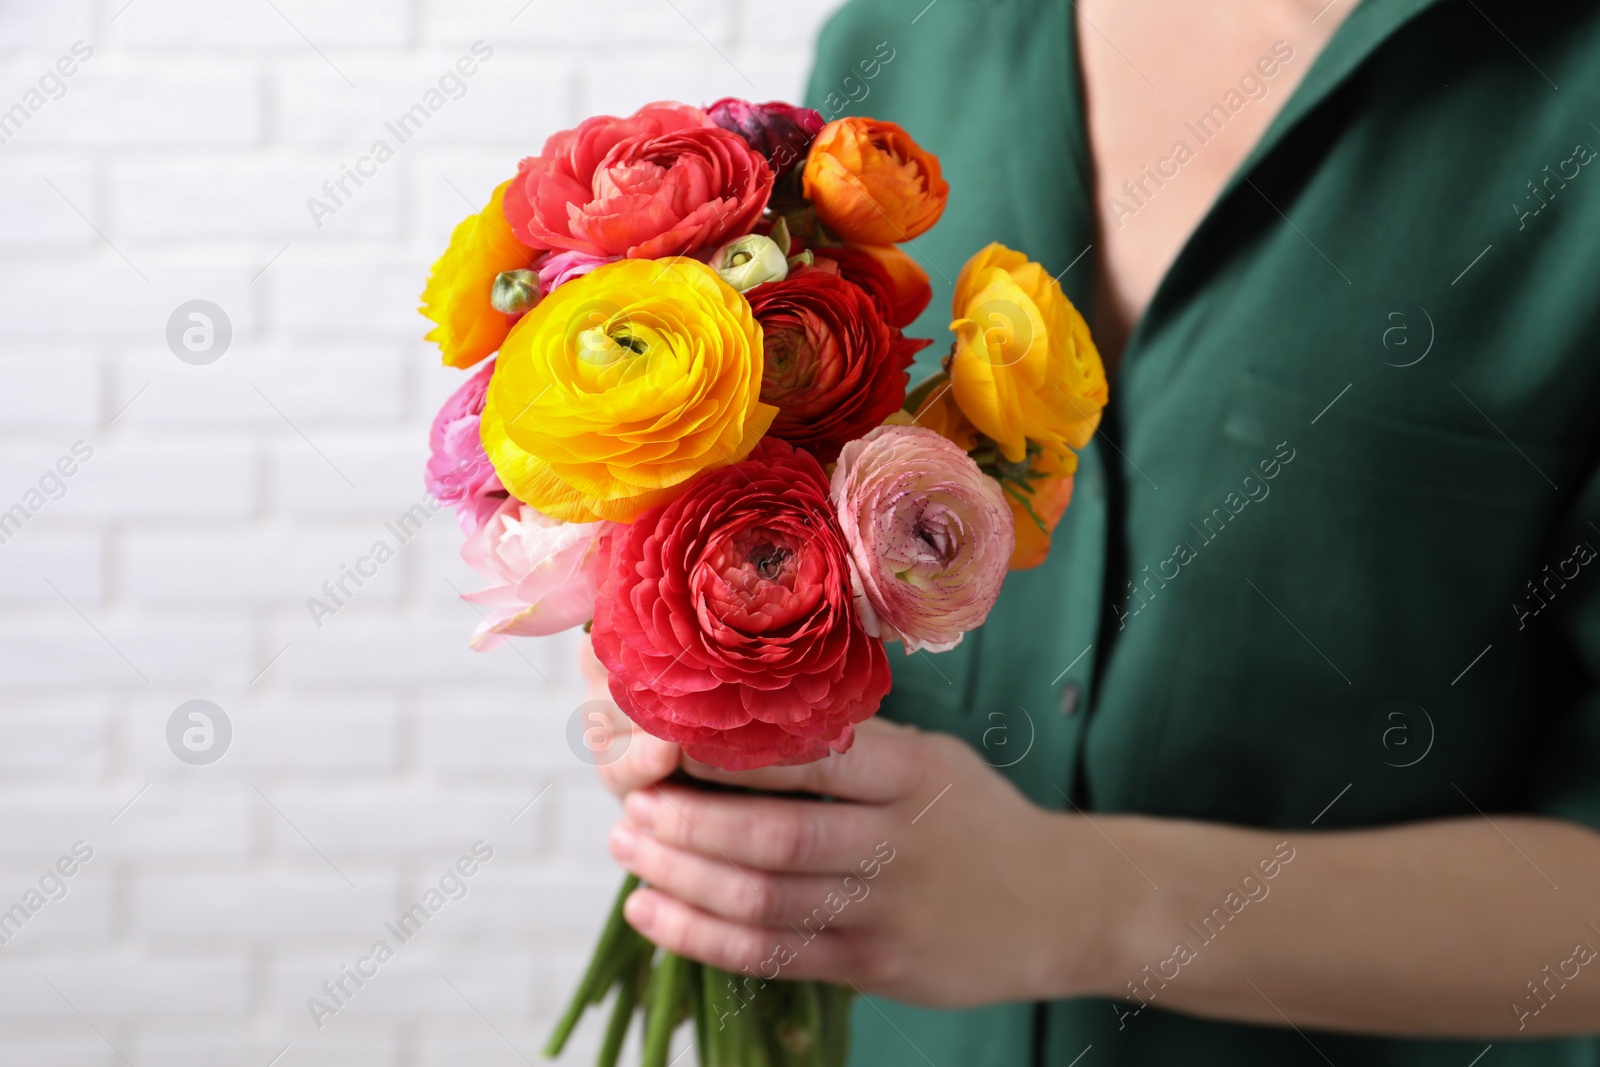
x: 664, y: 181
x: 558, y: 268
x: 544, y: 570
x: 930, y: 535
x: 459, y: 474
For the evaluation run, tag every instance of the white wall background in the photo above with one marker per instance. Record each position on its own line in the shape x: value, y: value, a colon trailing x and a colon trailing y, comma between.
x: 370, y: 753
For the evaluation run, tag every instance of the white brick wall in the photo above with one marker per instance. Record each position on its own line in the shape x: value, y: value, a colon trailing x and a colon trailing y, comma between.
x: 377, y: 748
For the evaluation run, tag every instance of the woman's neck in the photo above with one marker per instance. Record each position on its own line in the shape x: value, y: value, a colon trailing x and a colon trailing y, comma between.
x: 1176, y: 96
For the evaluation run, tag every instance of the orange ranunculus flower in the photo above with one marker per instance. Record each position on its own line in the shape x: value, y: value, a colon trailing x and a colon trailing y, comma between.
x: 871, y: 183
x: 623, y: 384
x: 1050, y: 474
x: 1047, y: 472
x: 457, y: 293
x: 1024, y: 368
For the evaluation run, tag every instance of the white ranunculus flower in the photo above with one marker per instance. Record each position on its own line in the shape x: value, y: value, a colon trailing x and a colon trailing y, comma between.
x: 749, y: 261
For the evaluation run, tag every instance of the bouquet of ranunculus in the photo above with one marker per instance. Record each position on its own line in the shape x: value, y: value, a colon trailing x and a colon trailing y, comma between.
x: 697, y: 440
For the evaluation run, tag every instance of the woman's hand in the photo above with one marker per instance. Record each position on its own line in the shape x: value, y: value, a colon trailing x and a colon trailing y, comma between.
x: 929, y: 878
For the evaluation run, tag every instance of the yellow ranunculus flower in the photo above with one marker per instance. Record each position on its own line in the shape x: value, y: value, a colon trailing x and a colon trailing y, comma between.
x: 457, y: 294
x: 1024, y: 366
x: 623, y: 384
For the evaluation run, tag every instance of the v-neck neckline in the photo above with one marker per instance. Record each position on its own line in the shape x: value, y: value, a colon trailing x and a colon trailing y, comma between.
x: 1361, y: 32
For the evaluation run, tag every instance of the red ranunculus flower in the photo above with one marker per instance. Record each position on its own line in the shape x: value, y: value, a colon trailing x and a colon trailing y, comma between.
x: 834, y: 368
x: 726, y: 620
x: 779, y: 131
x: 663, y: 182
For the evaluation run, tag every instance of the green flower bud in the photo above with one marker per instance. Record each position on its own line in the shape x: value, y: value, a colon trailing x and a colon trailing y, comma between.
x: 749, y: 261
x: 515, y: 291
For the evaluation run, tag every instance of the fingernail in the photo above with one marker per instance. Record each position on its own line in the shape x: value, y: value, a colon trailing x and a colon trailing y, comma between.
x: 639, y: 911
x: 624, y: 843
x: 641, y: 808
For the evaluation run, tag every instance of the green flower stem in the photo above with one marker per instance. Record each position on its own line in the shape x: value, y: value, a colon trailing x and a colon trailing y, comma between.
x: 757, y: 1029
x: 796, y: 1024
x: 739, y: 1021
x: 808, y: 1016
x: 717, y: 1048
x: 604, y: 961
x: 628, y: 988
x: 727, y: 1035
x: 736, y: 1024
x: 667, y: 991
x: 836, y: 1002
x: 696, y: 991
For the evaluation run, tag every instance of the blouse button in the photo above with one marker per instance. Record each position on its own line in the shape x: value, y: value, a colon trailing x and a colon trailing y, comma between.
x: 1070, y: 693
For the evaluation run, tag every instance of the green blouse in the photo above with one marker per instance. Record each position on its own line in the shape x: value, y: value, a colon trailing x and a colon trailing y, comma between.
x: 1331, y: 561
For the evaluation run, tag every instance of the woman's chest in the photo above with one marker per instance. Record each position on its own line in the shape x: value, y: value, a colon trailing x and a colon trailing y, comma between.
x: 1175, y: 98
